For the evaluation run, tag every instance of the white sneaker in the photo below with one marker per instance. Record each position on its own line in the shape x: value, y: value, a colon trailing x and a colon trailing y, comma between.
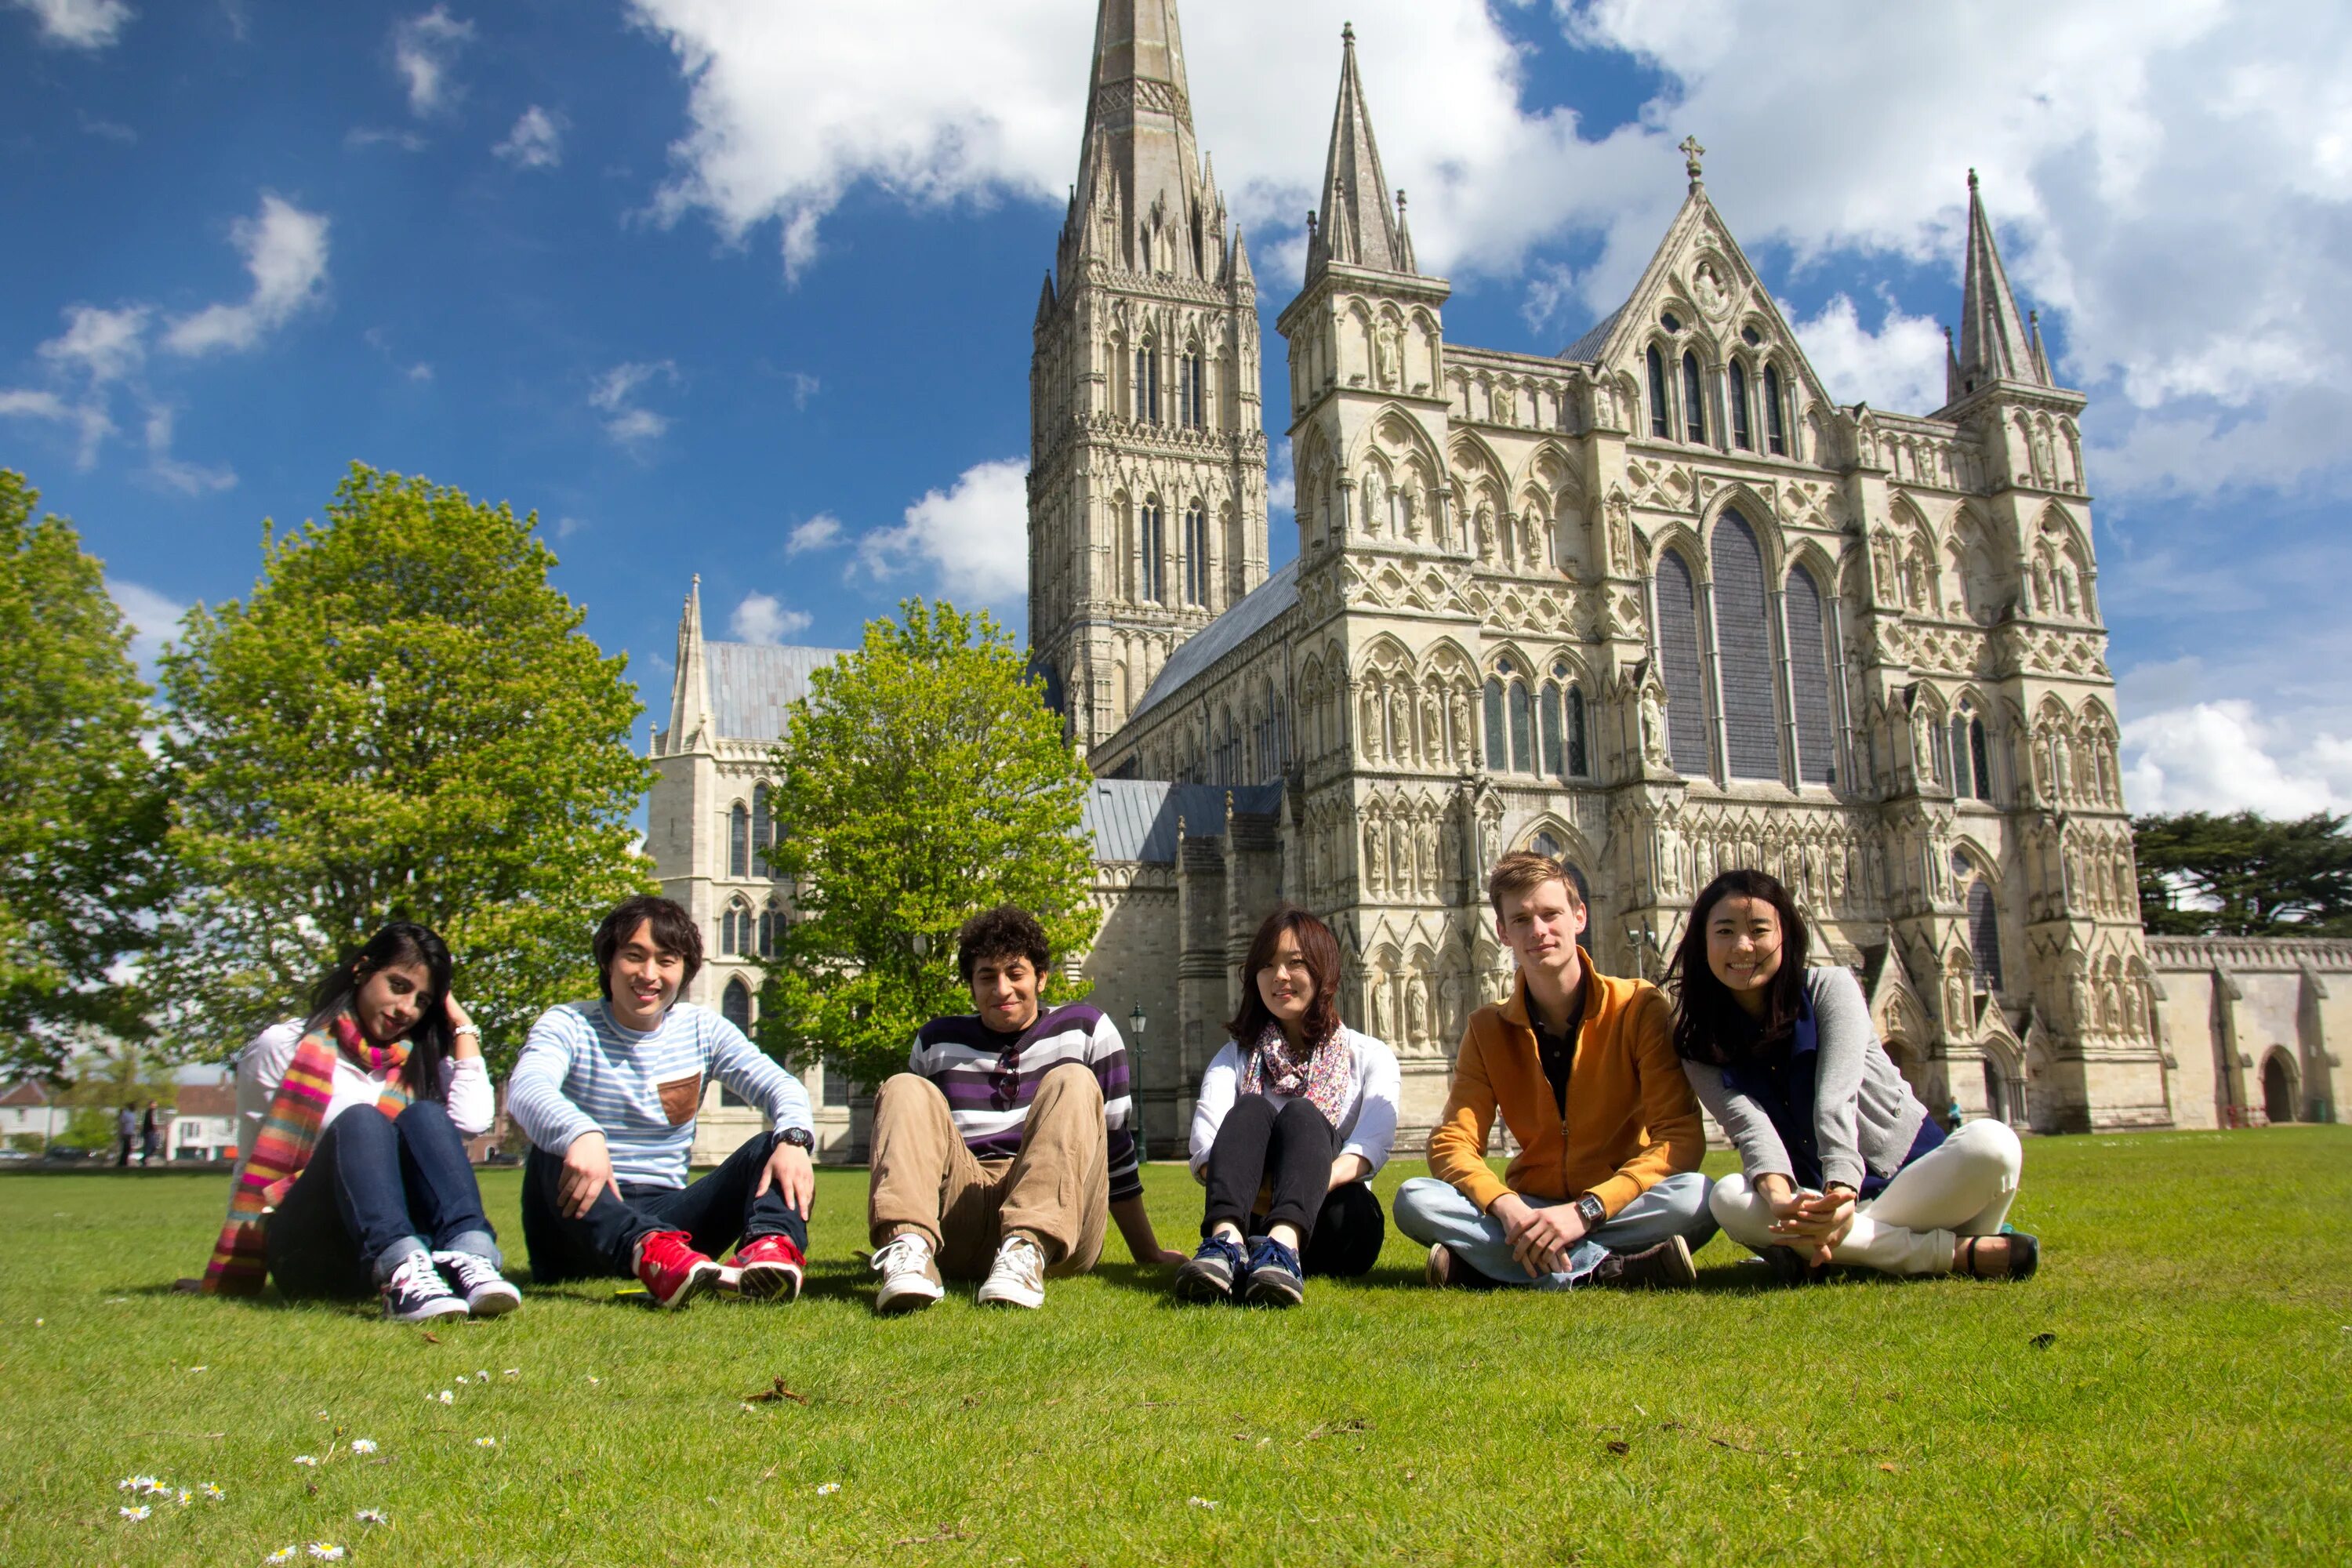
x: 488, y: 1292
x: 417, y: 1293
x: 1017, y: 1279
x: 910, y: 1280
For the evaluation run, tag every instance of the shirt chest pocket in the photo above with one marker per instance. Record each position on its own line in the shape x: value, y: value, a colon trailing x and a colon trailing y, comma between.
x: 680, y: 1099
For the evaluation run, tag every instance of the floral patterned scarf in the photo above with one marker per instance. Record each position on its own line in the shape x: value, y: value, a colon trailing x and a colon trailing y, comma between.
x: 1324, y: 1074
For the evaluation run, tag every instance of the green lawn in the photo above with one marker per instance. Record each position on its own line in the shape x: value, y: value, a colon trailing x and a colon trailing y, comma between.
x: 2191, y: 1404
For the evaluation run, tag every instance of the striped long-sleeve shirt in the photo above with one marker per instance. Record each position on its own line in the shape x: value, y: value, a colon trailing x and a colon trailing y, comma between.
x: 581, y: 1072
x: 990, y: 1080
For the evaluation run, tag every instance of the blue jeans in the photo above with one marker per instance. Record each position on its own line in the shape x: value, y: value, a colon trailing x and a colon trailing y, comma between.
x: 377, y: 1188
x: 716, y: 1212
x: 1431, y: 1211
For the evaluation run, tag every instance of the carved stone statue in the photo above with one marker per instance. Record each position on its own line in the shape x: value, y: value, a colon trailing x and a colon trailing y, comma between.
x: 1462, y: 733
x: 1383, y: 1008
x: 1506, y: 406
x: 1653, y: 728
x: 1425, y: 854
x: 1401, y: 859
x: 1433, y: 731
x: 1368, y: 730
x: 1386, y: 354
x: 1418, y: 1027
x: 1376, y: 857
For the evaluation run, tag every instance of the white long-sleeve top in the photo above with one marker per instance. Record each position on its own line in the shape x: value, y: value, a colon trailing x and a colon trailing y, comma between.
x: 1368, y: 1129
x: 262, y: 1065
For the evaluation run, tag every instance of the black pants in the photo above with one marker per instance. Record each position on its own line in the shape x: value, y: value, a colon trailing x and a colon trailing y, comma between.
x: 1341, y: 1232
x: 716, y: 1212
x: 376, y: 1188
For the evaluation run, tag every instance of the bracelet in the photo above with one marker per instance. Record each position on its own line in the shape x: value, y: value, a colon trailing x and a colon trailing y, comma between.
x: 462, y: 1030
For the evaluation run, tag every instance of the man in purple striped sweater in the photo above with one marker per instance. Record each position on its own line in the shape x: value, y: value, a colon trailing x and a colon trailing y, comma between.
x: 1008, y: 1141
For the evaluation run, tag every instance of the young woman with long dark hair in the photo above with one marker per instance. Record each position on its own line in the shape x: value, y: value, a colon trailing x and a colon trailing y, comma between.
x: 1297, y: 1101
x: 354, y: 1179
x: 1840, y: 1161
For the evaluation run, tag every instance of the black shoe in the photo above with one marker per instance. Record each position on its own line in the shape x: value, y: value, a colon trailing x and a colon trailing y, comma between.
x: 1665, y: 1266
x: 1790, y: 1266
x: 1208, y: 1273
x: 1276, y: 1279
x: 2024, y: 1255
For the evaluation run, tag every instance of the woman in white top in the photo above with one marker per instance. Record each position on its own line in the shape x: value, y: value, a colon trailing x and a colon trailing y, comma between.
x: 354, y: 1179
x: 1297, y: 1105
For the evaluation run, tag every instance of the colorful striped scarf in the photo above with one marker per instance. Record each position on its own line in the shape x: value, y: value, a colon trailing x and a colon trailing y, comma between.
x: 1325, y: 1074
x: 241, y: 1258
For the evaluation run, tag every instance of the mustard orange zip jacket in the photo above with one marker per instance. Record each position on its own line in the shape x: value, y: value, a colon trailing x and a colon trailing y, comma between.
x: 1632, y: 1120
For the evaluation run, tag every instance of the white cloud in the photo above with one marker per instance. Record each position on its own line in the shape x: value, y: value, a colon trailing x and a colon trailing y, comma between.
x: 614, y: 396
x: 535, y: 142
x: 407, y: 141
x: 104, y: 345
x: 975, y: 536
x: 2223, y: 756
x: 286, y: 252
x: 819, y: 532
x: 805, y: 386
x: 565, y: 527
x: 1900, y: 367
x: 759, y: 618
x: 154, y: 618
x: 88, y: 417
x: 188, y: 478
x: 78, y: 23
x: 423, y: 48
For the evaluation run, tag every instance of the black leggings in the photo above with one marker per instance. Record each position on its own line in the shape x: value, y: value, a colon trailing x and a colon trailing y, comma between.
x: 1340, y: 1231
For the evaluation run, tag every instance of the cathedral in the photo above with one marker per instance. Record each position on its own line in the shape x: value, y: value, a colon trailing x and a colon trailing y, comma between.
x: 1655, y: 603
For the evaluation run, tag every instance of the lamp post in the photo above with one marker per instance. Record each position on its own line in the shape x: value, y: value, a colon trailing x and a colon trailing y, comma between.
x: 1642, y: 936
x: 1136, y: 1022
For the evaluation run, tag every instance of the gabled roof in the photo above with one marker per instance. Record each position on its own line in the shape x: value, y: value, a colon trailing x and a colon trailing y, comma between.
x: 752, y: 684
x: 1135, y: 819
x: 25, y: 1091
x: 1245, y: 620
x: 206, y: 1099
x: 1586, y: 349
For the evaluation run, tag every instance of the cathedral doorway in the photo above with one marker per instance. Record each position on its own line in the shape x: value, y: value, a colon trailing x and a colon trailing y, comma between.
x: 2278, y: 1087
x: 1996, y: 1091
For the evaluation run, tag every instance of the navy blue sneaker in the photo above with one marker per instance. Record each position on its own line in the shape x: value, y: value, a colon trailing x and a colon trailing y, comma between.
x: 1275, y: 1278
x: 1210, y: 1273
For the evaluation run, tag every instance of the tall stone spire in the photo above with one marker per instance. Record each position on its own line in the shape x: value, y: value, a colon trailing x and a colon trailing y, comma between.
x: 1993, y: 345
x: 1355, y: 226
x: 1143, y: 203
x: 689, y: 696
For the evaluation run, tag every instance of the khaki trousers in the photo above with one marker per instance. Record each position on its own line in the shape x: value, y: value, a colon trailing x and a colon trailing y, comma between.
x: 1057, y: 1188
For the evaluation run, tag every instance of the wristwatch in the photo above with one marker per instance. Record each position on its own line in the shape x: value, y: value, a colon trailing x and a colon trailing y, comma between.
x: 800, y: 1138
x: 1591, y: 1211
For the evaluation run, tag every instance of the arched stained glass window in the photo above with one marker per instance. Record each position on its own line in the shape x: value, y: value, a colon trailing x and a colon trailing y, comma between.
x: 1661, y: 415
x: 1497, y: 748
x: 1679, y: 665
x: 1776, y: 438
x: 772, y: 928
x: 1962, y: 775
x: 735, y: 930
x: 1580, y: 763
x: 1741, y: 438
x: 739, y: 841
x: 1693, y: 400
x: 764, y: 828
x: 1523, y: 751
x: 1984, y: 933
x: 1154, y: 542
x: 735, y: 1004
x: 1189, y: 412
x: 1809, y: 678
x: 1743, y: 640
x: 1555, y: 763
x: 1147, y: 383
x: 1981, y: 755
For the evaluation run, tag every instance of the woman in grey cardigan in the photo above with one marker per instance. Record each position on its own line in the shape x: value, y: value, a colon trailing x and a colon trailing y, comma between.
x: 1840, y: 1161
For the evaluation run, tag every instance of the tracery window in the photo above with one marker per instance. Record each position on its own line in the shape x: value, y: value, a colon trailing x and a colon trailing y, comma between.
x: 1680, y: 667
x: 772, y: 928
x: 764, y: 828
x: 1191, y: 412
x: 1153, y: 567
x: 1555, y: 760
x: 1196, y: 555
x: 739, y: 841
x: 1580, y: 761
x: 1741, y: 438
x: 1984, y: 930
x: 1971, y: 755
x: 1659, y: 417
x: 1147, y: 383
x: 1694, y: 401
x: 1746, y: 679
x: 735, y: 929
x: 1522, y: 726
x: 735, y: 1004
x: 1497, y: 748
x: 1776, y: 438
x: 1809, y: 677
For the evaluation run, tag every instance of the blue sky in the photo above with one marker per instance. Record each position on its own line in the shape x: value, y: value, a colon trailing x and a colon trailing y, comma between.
x: 744, y: 287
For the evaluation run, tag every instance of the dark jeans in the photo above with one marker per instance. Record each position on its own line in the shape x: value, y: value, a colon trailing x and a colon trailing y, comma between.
x: 376, y: 1189
x: 1300, y: 1143
x: 716, y: 1212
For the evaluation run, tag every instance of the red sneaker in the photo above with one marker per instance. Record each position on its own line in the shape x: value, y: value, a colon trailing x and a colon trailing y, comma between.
x: 669, y: 1268
x: 769, y: 1269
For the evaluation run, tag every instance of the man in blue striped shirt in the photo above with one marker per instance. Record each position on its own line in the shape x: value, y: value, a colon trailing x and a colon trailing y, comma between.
x: 608, y: 1091
x: 1008, y: 1140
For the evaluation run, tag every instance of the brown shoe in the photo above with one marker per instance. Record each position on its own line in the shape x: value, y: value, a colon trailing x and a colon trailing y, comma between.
x: 1665, y: 1266
x: 1446, y: 1268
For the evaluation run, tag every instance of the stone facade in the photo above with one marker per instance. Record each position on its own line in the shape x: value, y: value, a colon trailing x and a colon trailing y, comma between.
x: 1656, y: 604
x: 2254, y: 1031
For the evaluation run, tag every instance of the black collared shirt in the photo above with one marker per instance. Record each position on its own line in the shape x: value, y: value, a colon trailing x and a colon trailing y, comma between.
x: 1558, y: 1052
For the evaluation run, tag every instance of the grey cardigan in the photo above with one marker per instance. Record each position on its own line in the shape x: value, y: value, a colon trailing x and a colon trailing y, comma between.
x: 1864, y: 1113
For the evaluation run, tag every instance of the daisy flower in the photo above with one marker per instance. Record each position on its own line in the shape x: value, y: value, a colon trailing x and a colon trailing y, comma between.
x: 326, y: 1552
x: 372, y: 1516
x: 485, y: 1442
x: 1200, y: 1502
x: 363, y: 1445
x: 185, y: 1496
x: 142, y: 1511
x: 305, y: 1459
x: 445, y: 1397
x: 514, y: 1372
x: 212, y: 1491
x: 829, y: 1488
x: 283, y: 1555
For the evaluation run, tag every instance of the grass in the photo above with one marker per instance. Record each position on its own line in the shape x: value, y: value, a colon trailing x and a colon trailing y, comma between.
x: 2191, y: 1405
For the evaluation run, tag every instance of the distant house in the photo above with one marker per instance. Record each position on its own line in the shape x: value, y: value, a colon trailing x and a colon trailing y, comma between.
x: 204, y: 1124
x: 28, y: 1111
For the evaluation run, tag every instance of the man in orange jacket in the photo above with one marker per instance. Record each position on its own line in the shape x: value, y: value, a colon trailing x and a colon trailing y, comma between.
x: 1605, y: 1188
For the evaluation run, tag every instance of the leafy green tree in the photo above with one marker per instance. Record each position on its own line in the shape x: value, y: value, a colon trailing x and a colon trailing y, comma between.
x: 404, y: 722
x: 81, y: 801
x: 922, y: 780
x: 2243, y: 874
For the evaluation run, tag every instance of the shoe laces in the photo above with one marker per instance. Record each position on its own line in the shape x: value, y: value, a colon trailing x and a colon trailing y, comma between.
x: 1021, y: 1257
x: 471, y: 1270
x: 417, y: 1277
x: 904, y: 1253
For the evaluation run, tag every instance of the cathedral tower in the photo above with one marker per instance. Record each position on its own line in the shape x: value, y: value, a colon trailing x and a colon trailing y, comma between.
x: 1146, y: 471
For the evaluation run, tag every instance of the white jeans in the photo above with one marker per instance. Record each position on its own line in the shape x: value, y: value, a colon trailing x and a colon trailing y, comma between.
x: 1962, y: 1187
